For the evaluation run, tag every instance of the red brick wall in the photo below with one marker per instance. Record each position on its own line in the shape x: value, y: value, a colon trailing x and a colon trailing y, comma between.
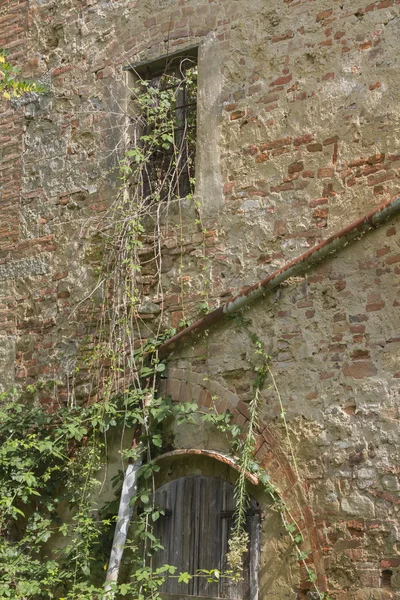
x: 13, y: 33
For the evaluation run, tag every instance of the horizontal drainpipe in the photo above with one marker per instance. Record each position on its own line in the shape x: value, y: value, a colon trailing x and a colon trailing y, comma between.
x: 292, y: 269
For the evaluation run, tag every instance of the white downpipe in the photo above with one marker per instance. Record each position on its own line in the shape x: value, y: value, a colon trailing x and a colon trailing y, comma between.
x: 129, y: 489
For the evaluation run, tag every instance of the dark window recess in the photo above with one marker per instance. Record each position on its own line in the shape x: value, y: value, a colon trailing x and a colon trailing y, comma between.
x: 168, y: 131
x: 194, y: 532
x: 386, y: 578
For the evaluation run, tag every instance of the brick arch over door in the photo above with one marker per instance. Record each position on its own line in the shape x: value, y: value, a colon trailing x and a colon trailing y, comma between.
x: 268, y: 452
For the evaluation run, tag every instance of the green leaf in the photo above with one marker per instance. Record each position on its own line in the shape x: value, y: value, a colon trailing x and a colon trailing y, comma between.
x: 124, y: 588
x: 298, y: 538
x: 157, y: 440
x: 171, y: 569
x: 311, y: 576
x: 146, y: 372
x: 184, y: 578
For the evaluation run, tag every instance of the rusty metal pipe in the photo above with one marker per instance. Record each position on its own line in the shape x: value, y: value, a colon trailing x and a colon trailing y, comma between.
x: 292, y: 269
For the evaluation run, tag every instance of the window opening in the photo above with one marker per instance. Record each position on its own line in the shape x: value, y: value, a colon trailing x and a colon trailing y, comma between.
x: 194, y: 532
x: 386, y: 578
x: 167, y: 103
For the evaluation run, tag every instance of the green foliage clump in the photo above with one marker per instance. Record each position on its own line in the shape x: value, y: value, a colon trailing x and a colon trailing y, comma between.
x: 161, y: 162
x: 11, y: 86
x: 47, y: 468
x: 54, y: 539
x: 51, y: 531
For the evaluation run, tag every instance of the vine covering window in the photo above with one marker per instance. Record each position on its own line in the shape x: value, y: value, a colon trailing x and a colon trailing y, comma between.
x: 166, y: 136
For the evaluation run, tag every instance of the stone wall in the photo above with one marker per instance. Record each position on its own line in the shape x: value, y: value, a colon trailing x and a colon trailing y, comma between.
x: 333, y: 338
x: 298, y: 132
x: 302, y: 97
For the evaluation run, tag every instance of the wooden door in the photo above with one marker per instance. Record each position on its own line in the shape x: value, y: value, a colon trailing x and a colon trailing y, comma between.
x: 194, y: 533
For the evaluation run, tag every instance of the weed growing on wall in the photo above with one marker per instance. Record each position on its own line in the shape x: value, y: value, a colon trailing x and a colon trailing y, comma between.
x: 11, y: 84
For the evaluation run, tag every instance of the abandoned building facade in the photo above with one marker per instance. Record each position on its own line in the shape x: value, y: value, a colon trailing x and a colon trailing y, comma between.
x: 292, y: 128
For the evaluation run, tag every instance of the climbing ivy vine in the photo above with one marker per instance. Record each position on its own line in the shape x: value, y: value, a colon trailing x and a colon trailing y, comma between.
x: 239, y: 537
x: 55, y: 540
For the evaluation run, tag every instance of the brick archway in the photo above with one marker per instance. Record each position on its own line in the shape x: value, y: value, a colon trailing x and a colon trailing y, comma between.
x: 268, y: 452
